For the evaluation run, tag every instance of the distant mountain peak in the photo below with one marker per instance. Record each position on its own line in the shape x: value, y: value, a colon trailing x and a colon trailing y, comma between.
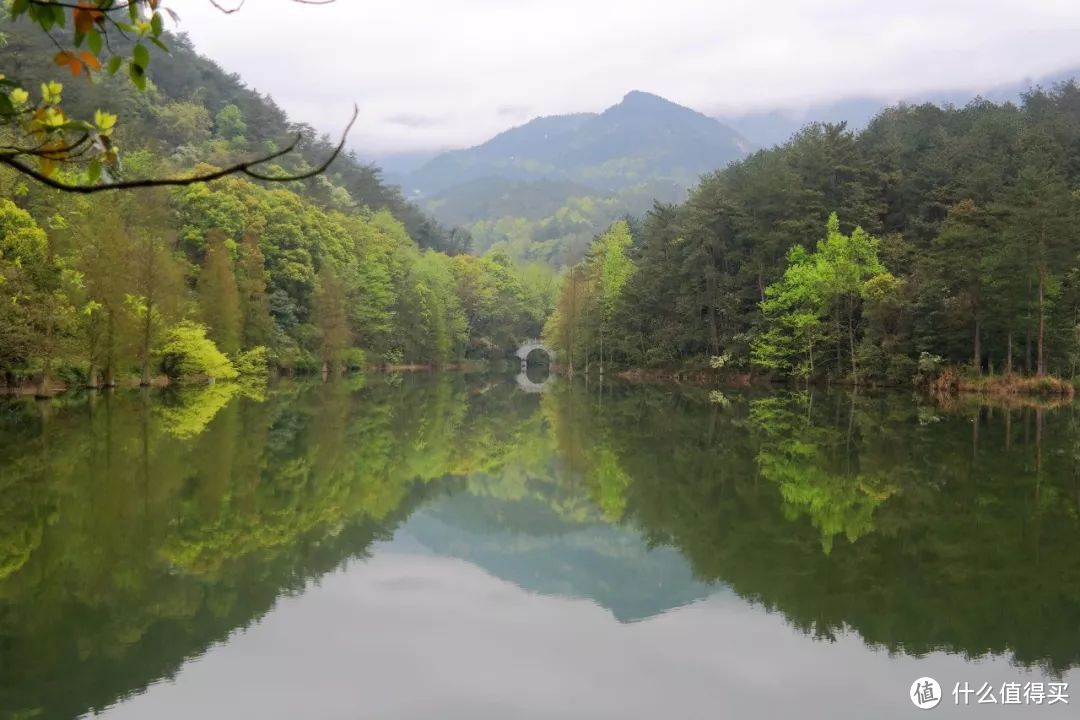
x: 640, y: 97
x: 643, y: 139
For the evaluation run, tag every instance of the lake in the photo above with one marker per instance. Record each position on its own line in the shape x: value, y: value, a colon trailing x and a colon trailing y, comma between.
x: 451, y: 546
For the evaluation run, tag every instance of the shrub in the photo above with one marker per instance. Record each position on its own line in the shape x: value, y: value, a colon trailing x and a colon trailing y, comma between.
x: 188, y: 354
x: 353, y: 359
x: 929, y: 364
x: 253, y: 363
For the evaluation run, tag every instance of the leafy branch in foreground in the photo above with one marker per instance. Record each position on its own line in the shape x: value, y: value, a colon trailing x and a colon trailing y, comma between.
x: 79, y: 155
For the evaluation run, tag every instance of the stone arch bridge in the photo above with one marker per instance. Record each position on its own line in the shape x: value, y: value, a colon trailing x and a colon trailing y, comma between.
x: 523, y: 352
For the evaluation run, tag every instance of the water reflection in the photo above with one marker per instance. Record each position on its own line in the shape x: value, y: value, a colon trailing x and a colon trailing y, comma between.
x: 137, y: 530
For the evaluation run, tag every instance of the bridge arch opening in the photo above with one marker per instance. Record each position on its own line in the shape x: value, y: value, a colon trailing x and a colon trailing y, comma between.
x: 533, y: 378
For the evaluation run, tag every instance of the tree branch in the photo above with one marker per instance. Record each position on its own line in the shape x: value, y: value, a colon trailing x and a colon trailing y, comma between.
x: 245, y: 168
x: 126, y: 5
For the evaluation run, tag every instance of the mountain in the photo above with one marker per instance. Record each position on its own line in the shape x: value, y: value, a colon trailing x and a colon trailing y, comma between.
x: 542, y: 190
x: 526, y: 543
x: 644, y: 138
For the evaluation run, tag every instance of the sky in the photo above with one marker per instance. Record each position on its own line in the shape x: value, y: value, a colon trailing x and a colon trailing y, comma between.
x: 436, y: 74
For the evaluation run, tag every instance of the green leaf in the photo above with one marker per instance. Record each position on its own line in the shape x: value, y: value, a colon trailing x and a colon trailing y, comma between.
x: 156, y: 24
x: 59, y: 15
x: 19, y: 7
x: 138, y: 75
x: 6, y: 108
x: 160, y: 44
x: 78, y: 39
x: 93, y: 172
x: 114, y: 64
x: 141, y: 56
x: 93, y: 41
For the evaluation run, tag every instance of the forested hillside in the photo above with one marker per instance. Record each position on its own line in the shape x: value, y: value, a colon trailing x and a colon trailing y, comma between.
x: 541, y: 191
x: 195, y: 110
x: 934, y: 236
x: 772, y: 126
x: 643, y: 138
x: 212, y: 280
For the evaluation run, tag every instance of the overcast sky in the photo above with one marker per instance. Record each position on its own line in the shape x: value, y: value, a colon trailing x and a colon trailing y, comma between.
x: 450, y: 73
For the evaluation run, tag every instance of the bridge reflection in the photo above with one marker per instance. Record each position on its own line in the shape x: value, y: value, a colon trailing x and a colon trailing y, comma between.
x: 528, y: 347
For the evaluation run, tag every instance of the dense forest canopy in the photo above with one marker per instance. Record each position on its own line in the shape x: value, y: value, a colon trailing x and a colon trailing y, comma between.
x: 936, y: 235
x: 214, y: 280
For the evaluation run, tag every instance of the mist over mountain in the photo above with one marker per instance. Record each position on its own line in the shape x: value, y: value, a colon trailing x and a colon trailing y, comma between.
x: 642, y: 138
x: 776, y: 126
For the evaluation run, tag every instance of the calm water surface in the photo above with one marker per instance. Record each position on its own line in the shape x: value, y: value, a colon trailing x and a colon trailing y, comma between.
x: 453, y: 547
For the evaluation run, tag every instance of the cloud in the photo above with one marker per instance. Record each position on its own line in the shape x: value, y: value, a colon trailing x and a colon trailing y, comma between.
x: 415, y: 120
x: 469, y: 66
x: 513, y: 111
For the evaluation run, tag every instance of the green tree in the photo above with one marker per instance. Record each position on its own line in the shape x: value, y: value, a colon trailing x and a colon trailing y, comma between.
x: 614, y: 272
x: 331, y: 320
x: 219, y: 296
x: 258, y: 326
x: 819, y: 290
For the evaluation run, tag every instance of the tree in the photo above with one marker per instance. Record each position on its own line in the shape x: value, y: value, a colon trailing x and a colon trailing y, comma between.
x: 1042, y: 219
x: 23, y: 259
x: 49, y: 138
x: 330, y: 319
x: 230, y: 124
x: 614, y: 272
x: 156, y: 290
x: 219, y: 296
x: 794, y: 326
x: 964, y: 242
x: 104, y: 259
x: 820, y: 292
x: 258, y: 326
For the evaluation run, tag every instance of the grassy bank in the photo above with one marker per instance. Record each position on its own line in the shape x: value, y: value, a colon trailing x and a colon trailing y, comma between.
x: 953, y: 381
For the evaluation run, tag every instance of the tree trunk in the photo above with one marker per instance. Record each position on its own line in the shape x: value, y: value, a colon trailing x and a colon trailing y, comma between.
x: 1009, y: 354
x: 1041, y: 369
x: 110, y: 361
x: 46, y: 374
x: 851, y: 338
x: 839, y: 338
x: 147, y: 326
x: 601, y: 353
x: 1027, y: 351
x: 588, y: 339
x: 46, y: 367
x: 976, y: 358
